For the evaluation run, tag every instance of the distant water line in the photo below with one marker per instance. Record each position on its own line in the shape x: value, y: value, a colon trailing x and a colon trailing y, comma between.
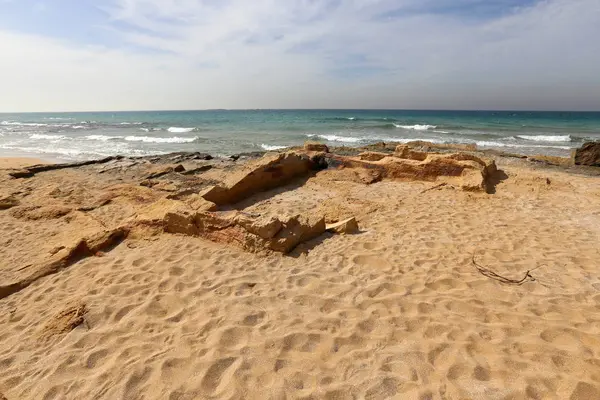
x: 72, y: 136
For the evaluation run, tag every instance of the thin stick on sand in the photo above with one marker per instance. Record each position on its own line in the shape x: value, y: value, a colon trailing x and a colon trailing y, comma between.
x: 492, y: 275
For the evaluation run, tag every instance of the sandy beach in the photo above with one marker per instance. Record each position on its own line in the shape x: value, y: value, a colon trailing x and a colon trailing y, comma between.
x: 121, y: 280
x: 18, y: 162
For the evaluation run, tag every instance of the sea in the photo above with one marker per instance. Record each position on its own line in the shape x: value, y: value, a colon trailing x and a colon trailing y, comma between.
x: 88, y: 135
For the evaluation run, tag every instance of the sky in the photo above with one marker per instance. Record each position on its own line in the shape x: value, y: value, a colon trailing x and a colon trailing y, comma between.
x: 84, y: 55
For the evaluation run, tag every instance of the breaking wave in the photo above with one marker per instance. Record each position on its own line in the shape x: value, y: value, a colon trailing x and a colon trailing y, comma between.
x: 504, y: 144
x: 176, y: 129
x: 43, y: 136
x: 11, y: 123
x: 148, y: 139
x: 416, y: 127
x: 336, y: 138
x: 269, y: 147
x: 103, y: 138
x: 546, y: 138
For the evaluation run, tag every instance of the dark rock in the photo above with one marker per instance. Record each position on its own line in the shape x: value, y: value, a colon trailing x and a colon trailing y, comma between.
x: 164, y: 170
x: 198, y: 170
x: 587, y: 154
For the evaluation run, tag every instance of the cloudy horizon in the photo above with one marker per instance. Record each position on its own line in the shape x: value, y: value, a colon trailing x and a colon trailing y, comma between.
x: 376, y: 54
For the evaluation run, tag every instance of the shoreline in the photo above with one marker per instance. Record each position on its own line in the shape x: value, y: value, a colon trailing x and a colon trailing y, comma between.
x: 7, y: 162
x: 564, y: 162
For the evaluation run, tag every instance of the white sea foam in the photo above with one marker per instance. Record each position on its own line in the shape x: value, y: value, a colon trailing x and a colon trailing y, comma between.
x: 269, y: 147
x: 504, y: 144
x: 43, y: 136
x: 78, y: 127
x: 148, y: 139
x: 416, y: 127
x: 372, y: 139
x: 103, y: 138
x: 131, y: 123
x: 336, y: 138
x: 12, y: 123
x: 176, y: 129
x: 352, y: 118
x: 546, y: 138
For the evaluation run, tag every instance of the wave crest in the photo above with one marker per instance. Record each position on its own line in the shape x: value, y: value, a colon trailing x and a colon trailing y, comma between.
x: 148, y: 139
x: 176, y: 129
x: 12, y: 123
x: 416, y: 127
x: 103, y: 138
x: 43, y: 136
x: 269, y: 147
x: 336, y: 138
x: 546, y: 138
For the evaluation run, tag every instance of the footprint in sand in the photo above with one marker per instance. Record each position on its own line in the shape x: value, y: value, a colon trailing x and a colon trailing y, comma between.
x: 218, y: 375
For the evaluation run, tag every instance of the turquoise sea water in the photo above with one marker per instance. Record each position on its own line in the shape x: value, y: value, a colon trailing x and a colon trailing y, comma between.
x: 72, y: 136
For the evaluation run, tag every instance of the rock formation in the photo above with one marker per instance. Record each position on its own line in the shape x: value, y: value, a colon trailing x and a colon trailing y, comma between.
x: 137, y: 198
x: 67, y: 255
x: 464, y: 170
x: 316, y: 146
x: 587, y: 154
x: 269, y: 172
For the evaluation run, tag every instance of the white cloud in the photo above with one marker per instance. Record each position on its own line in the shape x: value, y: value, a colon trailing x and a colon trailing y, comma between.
x: 312, y: 54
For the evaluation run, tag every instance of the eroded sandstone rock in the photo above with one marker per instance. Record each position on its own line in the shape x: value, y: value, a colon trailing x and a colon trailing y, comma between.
x: 273, y: 170
x: 35, y: 213
x: 428, y: 146
x: 164, y: 170
x: 173, y: 216
x: 265, y: 227
x: 346, y: 226
x: 372, y: 156
x: 297, y: 230
x: 587, y: 154
x: 316, y: 146
x: 78, y: 249
x: 404, y: 151
x: 464, y: 170
x: 8, y: 202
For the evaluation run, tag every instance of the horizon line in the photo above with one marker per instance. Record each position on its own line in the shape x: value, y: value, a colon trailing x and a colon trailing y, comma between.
x: 299, y: 109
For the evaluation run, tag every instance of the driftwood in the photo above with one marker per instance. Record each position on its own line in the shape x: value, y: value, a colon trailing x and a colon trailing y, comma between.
x: 434, y: 187
x: 492, y: 275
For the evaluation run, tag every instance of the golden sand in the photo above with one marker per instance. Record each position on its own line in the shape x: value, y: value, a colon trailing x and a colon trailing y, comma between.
x: 18, y: 162
x: 399, y: 310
